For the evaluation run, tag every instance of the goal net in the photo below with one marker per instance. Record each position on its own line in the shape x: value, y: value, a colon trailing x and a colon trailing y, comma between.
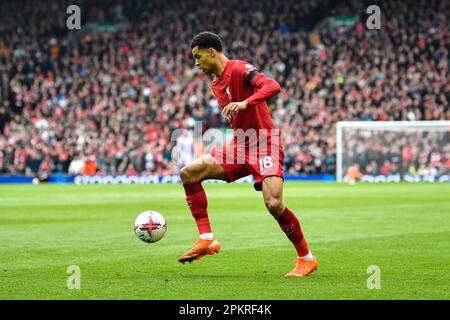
x: 393, y: 151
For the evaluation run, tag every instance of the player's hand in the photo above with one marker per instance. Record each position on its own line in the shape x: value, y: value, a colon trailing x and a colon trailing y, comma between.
x: 230, y: 109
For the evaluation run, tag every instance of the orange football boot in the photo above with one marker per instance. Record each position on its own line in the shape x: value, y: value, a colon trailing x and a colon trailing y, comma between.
x: 303, y: 268
x: 200, y: 249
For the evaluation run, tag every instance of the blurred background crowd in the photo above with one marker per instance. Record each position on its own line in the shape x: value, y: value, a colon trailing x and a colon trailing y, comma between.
x: 414, y: 152
x: 106, y: 99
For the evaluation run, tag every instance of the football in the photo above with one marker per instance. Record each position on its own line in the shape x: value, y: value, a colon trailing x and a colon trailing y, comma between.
x: 150, y: 226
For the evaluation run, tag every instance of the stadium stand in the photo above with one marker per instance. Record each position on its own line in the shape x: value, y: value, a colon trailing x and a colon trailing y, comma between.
x: 105, y: 99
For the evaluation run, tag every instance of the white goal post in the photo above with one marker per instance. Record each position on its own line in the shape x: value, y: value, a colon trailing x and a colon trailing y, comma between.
x: 405, y: 148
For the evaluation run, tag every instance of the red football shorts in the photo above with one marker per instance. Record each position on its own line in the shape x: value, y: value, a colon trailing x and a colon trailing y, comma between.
x: 261, y: 160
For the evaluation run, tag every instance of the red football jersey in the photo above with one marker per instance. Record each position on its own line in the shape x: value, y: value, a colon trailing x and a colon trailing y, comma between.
x: 261, y: 155
x: 240, y: 81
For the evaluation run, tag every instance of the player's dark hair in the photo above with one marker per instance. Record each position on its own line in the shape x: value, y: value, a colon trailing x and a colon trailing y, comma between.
x: 205, y: 40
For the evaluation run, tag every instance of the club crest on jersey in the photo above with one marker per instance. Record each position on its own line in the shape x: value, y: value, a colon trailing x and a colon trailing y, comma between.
x: 249, y: 68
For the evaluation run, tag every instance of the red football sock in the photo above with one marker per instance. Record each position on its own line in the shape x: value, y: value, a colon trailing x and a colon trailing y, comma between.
x: 197, y: 202
x: 291, y: 227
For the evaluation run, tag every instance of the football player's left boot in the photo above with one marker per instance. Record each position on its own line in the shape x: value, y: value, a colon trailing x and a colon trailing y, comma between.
x: 303, y: 268
x: 201, y: 248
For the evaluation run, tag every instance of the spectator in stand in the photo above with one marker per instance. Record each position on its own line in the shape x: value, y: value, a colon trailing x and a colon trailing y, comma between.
x: 90, y: 167
x: 76, y: 165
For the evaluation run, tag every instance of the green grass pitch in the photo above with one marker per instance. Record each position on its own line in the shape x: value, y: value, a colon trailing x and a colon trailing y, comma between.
x: 404, y: 229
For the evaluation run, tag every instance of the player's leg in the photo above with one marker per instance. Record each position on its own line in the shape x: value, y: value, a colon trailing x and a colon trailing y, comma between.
x: 192, y: 175
x: 272, y: 188
x: 203, y: 168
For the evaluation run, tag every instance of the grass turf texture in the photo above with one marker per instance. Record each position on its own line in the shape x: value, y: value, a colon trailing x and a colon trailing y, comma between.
x: 402, y: 228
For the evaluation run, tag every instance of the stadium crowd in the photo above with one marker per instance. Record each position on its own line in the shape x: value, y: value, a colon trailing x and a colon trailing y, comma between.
x: 105, y: 99
x: 418, y: 152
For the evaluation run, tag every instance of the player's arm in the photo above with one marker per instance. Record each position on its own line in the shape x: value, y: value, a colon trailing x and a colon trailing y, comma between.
x: 267, y: 88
